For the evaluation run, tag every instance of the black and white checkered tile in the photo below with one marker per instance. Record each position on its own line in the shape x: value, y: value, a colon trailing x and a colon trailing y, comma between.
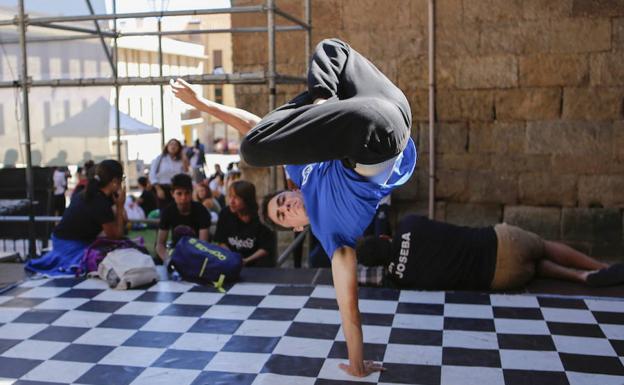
x: 67, y: 331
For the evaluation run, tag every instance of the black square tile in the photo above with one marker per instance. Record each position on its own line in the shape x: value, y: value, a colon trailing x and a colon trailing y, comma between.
x: 223, y: 378
x: 101, y: 306
x: 185, y: 310
x: 7, y: 344
x: 184, y: 359
x: 40, y: 316
x: 411, y: 374
x: 215, y: 326
x: 125, y: 321
x: 272, y: 314
x: 63, y: 282
x: 469, y: 324
x: 240, y: 300
x: 420, y: 308
x: 416, y: 337
x: 152, y: 339
x: 293, y: 290
x: 249, y: 344
x: 618, y: 346
x: 321, y: 303
x: 23, y: 302
x: 59, y: 334
x: 471, y: 357
x: 158, y: 296
x: 83, y: 353
x: 312, y: 330
x: 377, y: 319
x: 530, y: 313
x: 373, y: 352
x: 534, y: 377
x: 81, y: 293
x: 380, y: 293
x: 467, y: 297
x: 576, y: 330
x: 563, y: 303
x: 605, y: 317
x: 293, y: 366
x: 206, y: 289
x: 525, y: 342
x: 110, y: 374
x: 592, y: 364
x: 16, y: 367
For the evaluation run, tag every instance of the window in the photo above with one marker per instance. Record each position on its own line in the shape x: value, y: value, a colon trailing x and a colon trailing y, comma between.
x: 217, y: 58
x: 218, y: 94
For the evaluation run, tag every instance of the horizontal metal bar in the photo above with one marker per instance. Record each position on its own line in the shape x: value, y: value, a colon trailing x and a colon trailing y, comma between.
x: 51, y: 39
x: 284, y: 28
x: 291, y: 18
x: 76, y: 29
x: 235, y: 78
x: 188, y: 12
x: 43, y: 218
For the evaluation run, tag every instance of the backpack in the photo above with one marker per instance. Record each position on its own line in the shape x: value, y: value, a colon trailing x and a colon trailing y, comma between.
x: 127, y: 269
x: 199, y: 261
x: 97, y: 251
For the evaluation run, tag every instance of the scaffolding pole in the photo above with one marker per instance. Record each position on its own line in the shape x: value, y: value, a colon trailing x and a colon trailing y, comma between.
x: 101, y: 35
x: 30, y: 192
x: 286, y: 28
x: 307, y: 11
x: 162, y: 89
x: 116, y: 84
x: 271, y: 71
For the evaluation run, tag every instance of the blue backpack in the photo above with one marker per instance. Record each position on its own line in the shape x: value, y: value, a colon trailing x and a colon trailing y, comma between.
x: 199, y: 261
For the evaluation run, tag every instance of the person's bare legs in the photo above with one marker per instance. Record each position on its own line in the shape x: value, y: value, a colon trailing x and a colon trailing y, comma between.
x: 548, y: 269
x: 565, y: 256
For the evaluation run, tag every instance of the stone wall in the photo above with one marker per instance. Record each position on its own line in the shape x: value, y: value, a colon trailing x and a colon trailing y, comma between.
x: 530, y: 104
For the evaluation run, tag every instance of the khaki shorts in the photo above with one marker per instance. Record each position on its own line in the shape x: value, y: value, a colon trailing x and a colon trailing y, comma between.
x: 518, y: 251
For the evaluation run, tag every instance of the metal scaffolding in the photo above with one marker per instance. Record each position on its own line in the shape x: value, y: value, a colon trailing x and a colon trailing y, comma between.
x: 270, y: 77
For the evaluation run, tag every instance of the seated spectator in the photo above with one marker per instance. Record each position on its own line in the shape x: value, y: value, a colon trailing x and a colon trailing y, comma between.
x: 147, y: 200
x: 183, y: 217
x: 203, y: 195
x: 134, y: 212
x: 426, y: 254
x: 239, y: 227
x: 217, y: 186
x: 99, y: 208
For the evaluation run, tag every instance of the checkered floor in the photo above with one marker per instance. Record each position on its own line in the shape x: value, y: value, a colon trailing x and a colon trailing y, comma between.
x: 69, y: 331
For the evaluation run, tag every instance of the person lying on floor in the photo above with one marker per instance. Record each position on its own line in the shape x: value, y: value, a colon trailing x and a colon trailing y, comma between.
x: 99, y: 208
x: 426, y: 254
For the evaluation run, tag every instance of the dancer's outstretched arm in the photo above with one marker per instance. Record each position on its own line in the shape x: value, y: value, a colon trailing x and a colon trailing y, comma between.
x: 241, y: 120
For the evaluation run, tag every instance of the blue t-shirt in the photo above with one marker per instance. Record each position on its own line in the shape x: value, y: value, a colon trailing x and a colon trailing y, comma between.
x: 341, y: 203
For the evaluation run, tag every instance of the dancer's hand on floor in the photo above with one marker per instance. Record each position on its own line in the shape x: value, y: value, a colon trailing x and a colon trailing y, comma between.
x: 368, y: 368
x: 183, y: 91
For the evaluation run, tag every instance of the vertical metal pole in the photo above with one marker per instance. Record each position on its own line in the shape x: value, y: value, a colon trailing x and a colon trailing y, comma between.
x: 308, y: 36
x: 271, y: 70
x: 117, y: 89
x: 30, y: 192
x: 162, y: 97
x: 432, y: 176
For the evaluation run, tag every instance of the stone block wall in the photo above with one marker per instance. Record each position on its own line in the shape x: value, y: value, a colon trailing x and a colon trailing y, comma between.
x: 529, y: 104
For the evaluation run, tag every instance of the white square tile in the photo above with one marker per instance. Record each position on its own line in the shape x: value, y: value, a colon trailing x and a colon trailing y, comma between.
x: 8, y: 314
x: 413, y: 354
x: 319, y: 316
x: 142, y: 308
x: 568, y: 315
x: 372, y: 334
x: 81, y: 319
x: 237, y: 362
x: 422, y: 296
x: 468, y: 311
x: 58, y: 371
x: 35, y: 350
x: 20, y: 331
x: 575, y: 378
x: 513, y: 300
x: 377, y: 306
x: 324, y: 292
x: 418, y: 321
x: 231, y: 312
x: 303, y: 347
x: 613, y: 332
x: 194, y: 298
x: 92, y: 283
x: 132, y: 356
x: 530, y: 360
x: 283, y: 301
x: 279, y: 379
x: 203, y: 342
x: 605, y: 305
x: 331, y: 371
x: 469, y: 339
x: 4, y: 298
x: 105, y: 336
x: 165, y: 323
x: 62, y: 303
x: 262, y: 328
x: 521, y: 326
x: 465, y: 375
x: 251, y: 289
x: 172, y: 287
x: 44, y: 292
x: 166, y: 376
x: 119, y: 295
x: 34, y: 282
x: 583, y: 345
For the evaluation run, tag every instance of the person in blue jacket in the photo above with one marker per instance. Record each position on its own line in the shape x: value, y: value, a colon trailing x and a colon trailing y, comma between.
x: 346, y: 144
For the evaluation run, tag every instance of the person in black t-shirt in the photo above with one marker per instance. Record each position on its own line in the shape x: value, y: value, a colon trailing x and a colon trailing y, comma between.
x: 239, y: 227
x: 183, y: 216
x: 147, y: 200
x: 433, y: 255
